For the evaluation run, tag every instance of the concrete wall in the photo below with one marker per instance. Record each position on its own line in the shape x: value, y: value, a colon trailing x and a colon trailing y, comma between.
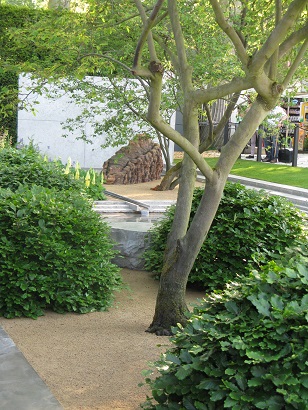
x: 44, y: 128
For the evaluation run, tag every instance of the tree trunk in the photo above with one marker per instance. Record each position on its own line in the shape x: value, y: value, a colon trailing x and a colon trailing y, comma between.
x: 171, y: 175
x: 170, y: 302
x: 171, y: 307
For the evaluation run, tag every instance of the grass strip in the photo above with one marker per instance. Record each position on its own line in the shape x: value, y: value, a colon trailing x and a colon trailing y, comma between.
x: 276, y: 173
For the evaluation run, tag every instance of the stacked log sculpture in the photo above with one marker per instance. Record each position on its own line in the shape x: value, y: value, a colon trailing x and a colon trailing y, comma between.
x: 140, y: 161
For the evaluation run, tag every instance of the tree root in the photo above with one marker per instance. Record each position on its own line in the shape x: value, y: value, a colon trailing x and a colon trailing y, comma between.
x: 159, y: 331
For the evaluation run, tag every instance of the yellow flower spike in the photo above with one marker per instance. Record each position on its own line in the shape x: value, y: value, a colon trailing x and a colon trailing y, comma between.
x: 69, y: 162
x: 77, y: 176
x: 67, y: 169
x: 45, y: 159
x: 93, y: 178
x: 87, y: 179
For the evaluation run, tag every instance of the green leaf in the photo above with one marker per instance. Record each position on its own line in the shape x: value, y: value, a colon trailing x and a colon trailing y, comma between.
x: 23, y: 286
x: 229, y: 402
x: 172, y: 358
x: 255, y: 382
x: 255, y: 355
x: 42, y: 224
x: 185, y: 356
x: 183, y: 372
x: 217, y: 395
x: 261, y: 303
x: 187, y: 404
x: 207, y: 384
x: 232, y: 307
x: 277, y: 302
x: 21, y: 212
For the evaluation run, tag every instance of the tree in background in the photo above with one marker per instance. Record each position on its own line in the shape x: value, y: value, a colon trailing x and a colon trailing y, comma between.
x: 100, y: 42
x: 56, y: 43
x: 260, y: 59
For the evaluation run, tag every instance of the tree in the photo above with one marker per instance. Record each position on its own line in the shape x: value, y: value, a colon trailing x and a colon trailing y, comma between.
x: 210, y: 50
x: 262, y: 64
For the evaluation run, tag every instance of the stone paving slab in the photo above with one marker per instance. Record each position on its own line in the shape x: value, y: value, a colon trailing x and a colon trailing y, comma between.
x: 21, y: 388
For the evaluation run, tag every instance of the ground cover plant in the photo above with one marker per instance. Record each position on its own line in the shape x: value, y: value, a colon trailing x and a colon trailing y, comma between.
x: 249, y: 224
x: 276, y: 173
x: 55, y: 250
x: 243, y: 348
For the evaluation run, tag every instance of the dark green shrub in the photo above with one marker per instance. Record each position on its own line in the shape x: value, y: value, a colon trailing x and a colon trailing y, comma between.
x: 244, y: 348
x: 27, y: 166
x: 8, y: 105
x: 247, y: 226
x: 55, y: 253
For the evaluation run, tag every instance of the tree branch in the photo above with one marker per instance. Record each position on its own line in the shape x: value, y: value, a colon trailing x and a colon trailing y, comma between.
x: 164, y: 128
x: 295, y: 38
x: 146, y: 35
x: 227, y: 114
x: 280, y: 31
x: 203, y: 96
x: 127, y: 68
x: 104, y: 26
x: 295, y: 64
x: 167, y: 50
x: 184, y: 68
x: 223, y: 121
x: 274, y: 59
x: 231, y: 33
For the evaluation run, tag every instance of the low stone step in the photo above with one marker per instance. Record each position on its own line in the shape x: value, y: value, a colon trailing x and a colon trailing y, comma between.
x: 299, y: 201
x: 123, y: 206
x: 269, y: 186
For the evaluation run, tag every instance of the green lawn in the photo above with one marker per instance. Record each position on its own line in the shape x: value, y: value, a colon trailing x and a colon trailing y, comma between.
x: 279, y: 174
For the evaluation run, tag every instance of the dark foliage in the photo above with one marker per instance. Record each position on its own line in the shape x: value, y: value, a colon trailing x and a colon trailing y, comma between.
x: 244, y: 348
x: 248, y: 225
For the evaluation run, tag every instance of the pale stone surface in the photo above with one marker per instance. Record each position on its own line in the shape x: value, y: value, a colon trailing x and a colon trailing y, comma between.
x: 130, y: 238
x: 20, y: 386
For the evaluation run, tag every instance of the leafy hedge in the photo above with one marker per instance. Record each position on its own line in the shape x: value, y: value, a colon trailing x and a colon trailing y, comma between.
x: 8, y: 105
x: 55, y: 253
x: 248, y: 225
x: 245, y: 348
x: 15, y: 22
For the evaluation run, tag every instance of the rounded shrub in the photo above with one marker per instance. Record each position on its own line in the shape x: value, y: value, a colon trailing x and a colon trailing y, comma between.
x: 27, y: 166
x: 55, y: 253
x: 248, y: 225
x: 243, y: 348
